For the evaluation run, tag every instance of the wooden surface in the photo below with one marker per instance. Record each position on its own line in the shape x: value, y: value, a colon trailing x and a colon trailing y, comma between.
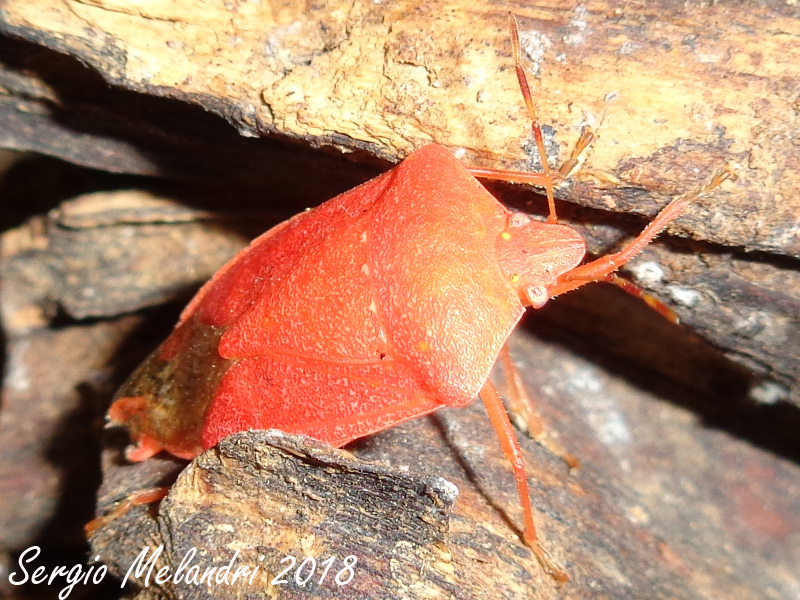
x: 681, y: 494
x: 674, y: 92
x: 699, y: 470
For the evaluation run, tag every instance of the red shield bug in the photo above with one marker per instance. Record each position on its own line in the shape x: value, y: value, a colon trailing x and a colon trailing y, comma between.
x: 383, y: 304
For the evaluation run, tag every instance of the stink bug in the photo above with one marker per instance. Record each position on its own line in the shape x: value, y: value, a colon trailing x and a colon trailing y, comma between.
x: 383, y: 304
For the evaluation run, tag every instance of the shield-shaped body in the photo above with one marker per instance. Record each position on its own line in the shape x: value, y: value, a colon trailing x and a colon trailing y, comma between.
x: 383, y: 304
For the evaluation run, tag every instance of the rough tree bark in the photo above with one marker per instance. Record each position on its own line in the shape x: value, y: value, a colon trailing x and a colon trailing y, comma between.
x: 324, y: 96
x: 674, y: 91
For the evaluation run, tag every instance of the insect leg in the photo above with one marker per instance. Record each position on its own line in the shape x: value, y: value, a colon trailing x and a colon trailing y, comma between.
x: 540, y: 179
x: 146, y: 496
x: 586, y: 139
x: 545, y: 179
x: 531, y: 178
x: 535, y: 128
x: 521, y: 403
x: 598, y: 270
x: 513, y: 452
x: 646, y: 297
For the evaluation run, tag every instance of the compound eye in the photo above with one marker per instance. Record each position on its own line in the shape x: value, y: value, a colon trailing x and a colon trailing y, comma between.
x: 536, y: 295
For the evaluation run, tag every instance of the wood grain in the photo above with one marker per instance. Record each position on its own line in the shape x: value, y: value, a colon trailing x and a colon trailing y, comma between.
x: 286, y: 104
x: 675, y: 91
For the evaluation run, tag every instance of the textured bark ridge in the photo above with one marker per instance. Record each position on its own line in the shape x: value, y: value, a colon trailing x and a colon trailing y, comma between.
x: 270, y: 496
x: 674, y: 93
x: 687, y: 435
x: 682, y: 493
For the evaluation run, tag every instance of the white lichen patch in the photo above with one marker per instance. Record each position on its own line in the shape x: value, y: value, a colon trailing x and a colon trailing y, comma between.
x: 638, y: 515
x: 769, y: 392
x: 579, y: 24
x: 17, y: 371
x: 535, y: 44
x: 685, y: 296
x: 647, y: 273
x: 602, y: 413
